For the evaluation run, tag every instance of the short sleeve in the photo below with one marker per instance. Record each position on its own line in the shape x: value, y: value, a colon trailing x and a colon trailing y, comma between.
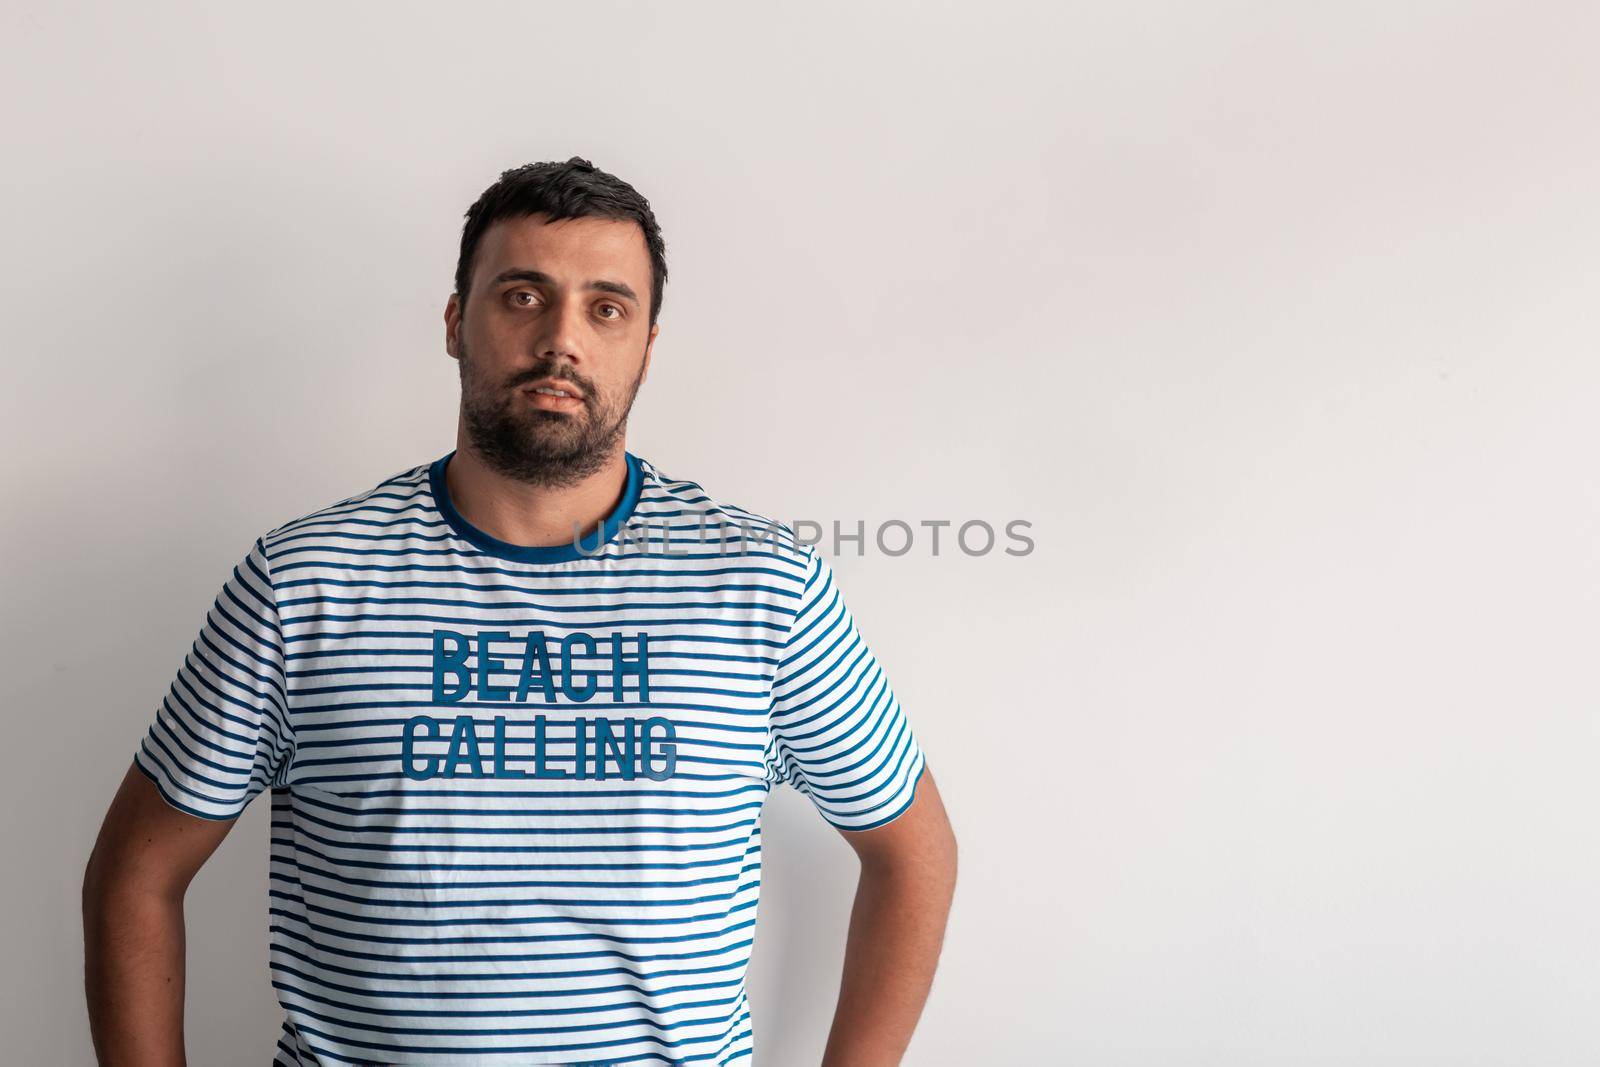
x: 838, y: 734
x: 222, y: 733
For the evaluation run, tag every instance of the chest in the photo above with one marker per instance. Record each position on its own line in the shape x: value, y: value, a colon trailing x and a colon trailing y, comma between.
x: 523, y: 683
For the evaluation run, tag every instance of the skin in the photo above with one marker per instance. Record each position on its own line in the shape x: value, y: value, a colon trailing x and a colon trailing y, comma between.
x: 897, y: 924
x: 530, y: 472
x: 133, y: 933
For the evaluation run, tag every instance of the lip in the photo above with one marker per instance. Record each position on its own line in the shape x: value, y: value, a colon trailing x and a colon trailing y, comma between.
x: 572, y: 391
x: 546, y: 402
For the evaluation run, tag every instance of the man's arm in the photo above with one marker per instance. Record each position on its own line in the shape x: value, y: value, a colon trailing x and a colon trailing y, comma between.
x: 908, y: 879
x: 133, y: 937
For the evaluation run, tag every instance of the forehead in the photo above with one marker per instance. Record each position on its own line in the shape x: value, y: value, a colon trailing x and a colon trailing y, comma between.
x: 572, y: 251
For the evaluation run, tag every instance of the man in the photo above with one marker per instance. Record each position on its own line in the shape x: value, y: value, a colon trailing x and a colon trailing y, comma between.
x: 518, y: 710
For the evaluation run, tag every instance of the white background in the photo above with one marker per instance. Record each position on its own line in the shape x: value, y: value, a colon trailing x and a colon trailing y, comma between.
x: 1278, y: 322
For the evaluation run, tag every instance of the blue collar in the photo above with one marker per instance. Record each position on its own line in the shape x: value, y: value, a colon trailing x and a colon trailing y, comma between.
x: 589, y: 546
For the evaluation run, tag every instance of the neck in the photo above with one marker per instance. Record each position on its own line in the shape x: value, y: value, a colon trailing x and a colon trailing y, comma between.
x: 533, y: 515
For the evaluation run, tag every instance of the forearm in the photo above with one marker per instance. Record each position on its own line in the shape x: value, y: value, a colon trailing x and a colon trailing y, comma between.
x: 896, y: 931
x: 133, y: 976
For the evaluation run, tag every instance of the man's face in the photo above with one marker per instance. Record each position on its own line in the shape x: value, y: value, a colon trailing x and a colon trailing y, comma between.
x: 563, y: 305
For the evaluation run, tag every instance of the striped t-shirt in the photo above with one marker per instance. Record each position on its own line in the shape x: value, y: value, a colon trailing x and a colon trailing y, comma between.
x: 517, y: 791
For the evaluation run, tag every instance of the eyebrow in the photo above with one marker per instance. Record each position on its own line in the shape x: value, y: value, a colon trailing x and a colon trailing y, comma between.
x: 539, y: 277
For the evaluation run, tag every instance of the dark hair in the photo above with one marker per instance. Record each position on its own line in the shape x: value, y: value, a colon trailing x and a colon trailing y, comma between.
x: 574, y: 189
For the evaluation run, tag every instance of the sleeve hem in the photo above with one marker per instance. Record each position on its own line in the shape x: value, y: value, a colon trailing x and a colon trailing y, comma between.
x: 901, y: 810
x: 174, y: 801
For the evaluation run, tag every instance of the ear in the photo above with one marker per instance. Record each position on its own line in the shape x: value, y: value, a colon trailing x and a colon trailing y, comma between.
x: 649, y: 347
x: 452, y: 322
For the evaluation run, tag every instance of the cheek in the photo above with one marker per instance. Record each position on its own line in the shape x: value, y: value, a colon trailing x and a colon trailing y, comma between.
x: 490, y: 330
x: 618, y: 380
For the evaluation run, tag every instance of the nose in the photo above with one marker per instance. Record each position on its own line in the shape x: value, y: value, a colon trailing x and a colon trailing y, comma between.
x: 561, y: 331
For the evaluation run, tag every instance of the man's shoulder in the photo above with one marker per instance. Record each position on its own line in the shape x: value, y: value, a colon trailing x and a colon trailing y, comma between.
x: 370, y: 512
x: 692, y: 516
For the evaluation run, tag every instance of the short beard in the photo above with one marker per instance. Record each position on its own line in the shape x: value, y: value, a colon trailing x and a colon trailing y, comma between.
x: 536, y: 446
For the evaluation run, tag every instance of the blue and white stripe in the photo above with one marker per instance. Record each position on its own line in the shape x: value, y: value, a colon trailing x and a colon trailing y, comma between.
x: 483, y: 920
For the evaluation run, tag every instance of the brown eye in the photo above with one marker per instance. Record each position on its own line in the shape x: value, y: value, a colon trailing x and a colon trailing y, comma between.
x: 518, y: 294
x: 612, y: 307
